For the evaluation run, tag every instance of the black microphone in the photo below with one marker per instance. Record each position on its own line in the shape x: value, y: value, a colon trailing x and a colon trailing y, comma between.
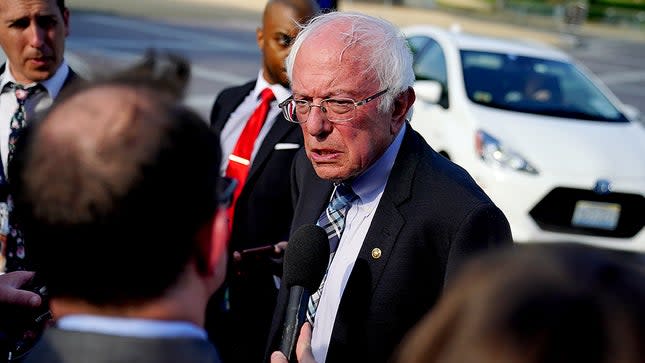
x: 305, y: 264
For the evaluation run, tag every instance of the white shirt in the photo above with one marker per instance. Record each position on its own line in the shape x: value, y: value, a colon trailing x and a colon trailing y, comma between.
x: 369, y: 187
x: 236, y: 122
x: 39, y: 102
x: 131, y: 327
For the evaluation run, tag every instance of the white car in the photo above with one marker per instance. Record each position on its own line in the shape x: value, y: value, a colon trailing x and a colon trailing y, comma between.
x: 551, y: 145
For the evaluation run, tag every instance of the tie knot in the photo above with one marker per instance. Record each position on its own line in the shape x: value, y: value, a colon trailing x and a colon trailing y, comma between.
x: 22, y: 92
x: 267, y: 95
x: 343, y: 196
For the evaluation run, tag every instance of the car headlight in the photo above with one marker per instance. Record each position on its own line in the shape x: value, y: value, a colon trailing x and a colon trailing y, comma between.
x: 493, y: 152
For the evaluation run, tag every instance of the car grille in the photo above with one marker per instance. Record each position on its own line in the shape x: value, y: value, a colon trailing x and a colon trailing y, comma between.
x: 554, y: 213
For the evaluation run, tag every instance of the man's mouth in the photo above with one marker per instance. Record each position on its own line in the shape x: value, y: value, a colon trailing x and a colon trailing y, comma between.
x: 39, y: 61
x: 324, y: 155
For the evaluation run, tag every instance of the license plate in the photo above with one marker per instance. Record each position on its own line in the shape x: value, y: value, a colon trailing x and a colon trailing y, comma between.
x: 596, y: 215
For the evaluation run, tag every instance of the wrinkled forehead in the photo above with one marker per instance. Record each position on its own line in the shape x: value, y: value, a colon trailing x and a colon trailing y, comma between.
x: 342, y: 37
x: 338, y: 31
x: 335, y: 48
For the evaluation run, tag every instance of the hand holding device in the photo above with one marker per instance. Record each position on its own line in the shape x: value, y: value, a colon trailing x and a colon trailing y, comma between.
x: 25, y: 325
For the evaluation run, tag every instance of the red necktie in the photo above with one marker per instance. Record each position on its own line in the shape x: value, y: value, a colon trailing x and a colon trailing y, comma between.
x: 239, y: 161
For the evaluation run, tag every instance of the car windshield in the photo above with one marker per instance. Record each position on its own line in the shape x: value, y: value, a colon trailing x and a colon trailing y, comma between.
x: 534, y: 85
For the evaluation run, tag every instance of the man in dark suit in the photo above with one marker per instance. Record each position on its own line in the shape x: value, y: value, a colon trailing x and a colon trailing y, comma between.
x: 262, y: 213
x: 403, y: 217
x: 32, y: 35
x: 129, y: 267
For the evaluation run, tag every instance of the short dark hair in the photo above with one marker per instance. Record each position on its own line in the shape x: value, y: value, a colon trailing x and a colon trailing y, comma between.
x: 61, y: 5
x: 121, y: 229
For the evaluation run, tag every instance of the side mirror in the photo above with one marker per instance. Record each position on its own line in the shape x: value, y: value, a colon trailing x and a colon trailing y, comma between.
x: 428, y: 91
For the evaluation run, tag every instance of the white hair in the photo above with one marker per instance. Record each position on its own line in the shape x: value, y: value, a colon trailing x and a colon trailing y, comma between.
x: 387, y: 55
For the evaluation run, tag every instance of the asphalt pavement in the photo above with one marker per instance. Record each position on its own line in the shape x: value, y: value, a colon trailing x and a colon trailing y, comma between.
x: 214, y: 32
x: 481, y: 22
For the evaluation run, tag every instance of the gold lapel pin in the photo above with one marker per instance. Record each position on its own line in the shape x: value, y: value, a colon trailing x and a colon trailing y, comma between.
x: 376, y: 253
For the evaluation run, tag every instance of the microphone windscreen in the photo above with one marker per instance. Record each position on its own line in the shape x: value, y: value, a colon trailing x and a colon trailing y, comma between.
x: 306, y: 257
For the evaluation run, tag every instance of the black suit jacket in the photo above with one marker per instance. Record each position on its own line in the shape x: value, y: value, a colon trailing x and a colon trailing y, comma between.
x: 64, y: 346
x: 431, y: 217
x: 26, y: 263
x: 263, y: 216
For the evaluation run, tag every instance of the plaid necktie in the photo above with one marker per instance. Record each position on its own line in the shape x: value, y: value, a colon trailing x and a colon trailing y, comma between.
x: 333, y: 222
x: 15, y: 247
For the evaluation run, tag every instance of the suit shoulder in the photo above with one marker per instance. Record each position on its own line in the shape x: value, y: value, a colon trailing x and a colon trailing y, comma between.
x: 236, y: 90
x: 226, y: 101
x: 443, y: 178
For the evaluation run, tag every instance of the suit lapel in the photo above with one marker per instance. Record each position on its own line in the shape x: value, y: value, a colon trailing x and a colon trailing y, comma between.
x: 376, y: 250
x: 280, y: 128
x: 72, y: 77
x: 316, y: 190
x: 233, y: 99
x: 388, y: 220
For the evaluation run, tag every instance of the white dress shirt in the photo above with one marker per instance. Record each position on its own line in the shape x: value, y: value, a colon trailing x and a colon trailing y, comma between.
x: 369, y: 187
x: 236, y: 122
x: 37, y: 103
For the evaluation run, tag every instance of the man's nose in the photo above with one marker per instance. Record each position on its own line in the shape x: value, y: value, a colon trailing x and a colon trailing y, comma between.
x: 36, y: 35
x: 317, y: 122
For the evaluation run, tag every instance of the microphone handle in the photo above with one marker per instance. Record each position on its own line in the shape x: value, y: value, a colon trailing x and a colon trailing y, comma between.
x: 294, y: 318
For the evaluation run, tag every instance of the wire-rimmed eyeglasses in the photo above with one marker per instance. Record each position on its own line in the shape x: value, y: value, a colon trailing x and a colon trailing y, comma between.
x: 336, y: 109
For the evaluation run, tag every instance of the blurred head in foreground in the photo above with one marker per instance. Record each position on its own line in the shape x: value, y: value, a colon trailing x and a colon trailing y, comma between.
x: 120, y: 198
x: 537, y: 304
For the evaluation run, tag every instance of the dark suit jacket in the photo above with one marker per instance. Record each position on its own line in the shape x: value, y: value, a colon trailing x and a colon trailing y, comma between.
x: 63, y: 346
x: 14, y: 263
x: 263, y: 216
x: 431, y: 217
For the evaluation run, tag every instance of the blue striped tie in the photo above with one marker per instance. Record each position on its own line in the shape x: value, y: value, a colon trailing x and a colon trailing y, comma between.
x: 332, y: 221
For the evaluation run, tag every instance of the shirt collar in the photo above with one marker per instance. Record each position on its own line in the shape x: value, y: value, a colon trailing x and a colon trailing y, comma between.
x: 53, y: 85
x: 372, y: 182
x: 144, y: 328
x: 280, y: 92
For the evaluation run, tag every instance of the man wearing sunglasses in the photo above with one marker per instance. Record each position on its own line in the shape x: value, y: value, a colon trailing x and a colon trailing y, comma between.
x: 129, y: 266
x: 400, y: 218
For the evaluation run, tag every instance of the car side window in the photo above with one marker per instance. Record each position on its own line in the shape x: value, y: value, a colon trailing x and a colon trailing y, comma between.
x: 416, y: 44
x: 430, y: 64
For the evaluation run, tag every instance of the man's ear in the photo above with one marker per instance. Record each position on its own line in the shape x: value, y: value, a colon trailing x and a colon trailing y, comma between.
x: 401, y: 107
x: 213, y: 243
x: 259, y: 38
x: 65, y: 15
